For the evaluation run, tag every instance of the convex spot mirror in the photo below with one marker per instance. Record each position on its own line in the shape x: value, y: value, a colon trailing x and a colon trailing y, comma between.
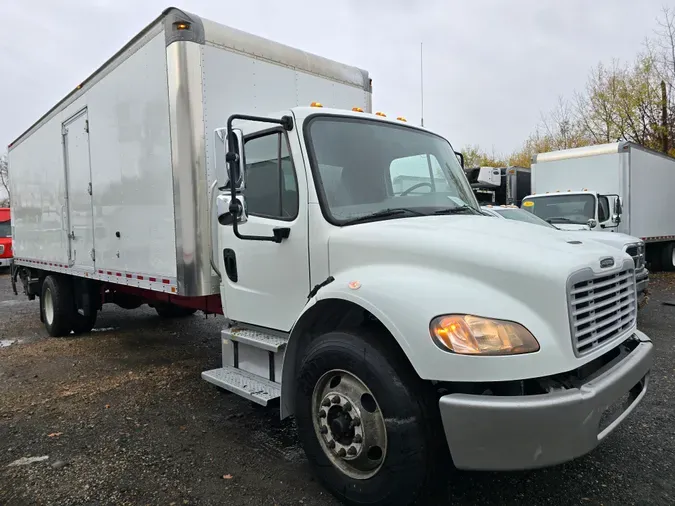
x: 221, y: 152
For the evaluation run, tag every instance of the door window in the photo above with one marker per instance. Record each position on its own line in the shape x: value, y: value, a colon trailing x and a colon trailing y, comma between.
x: 603, y: 208
x: 270, y: 180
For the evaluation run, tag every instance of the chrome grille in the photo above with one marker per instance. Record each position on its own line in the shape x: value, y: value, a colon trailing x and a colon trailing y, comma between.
x: 637, y: 253
x: 601, y: 308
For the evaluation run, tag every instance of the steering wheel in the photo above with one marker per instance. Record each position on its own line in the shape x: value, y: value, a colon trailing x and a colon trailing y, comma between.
x: 415, y: 186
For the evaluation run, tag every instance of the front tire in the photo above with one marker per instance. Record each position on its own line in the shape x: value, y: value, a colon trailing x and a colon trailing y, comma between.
x: 668, y: 256
x: 368, y: 424
x: 56, y: 305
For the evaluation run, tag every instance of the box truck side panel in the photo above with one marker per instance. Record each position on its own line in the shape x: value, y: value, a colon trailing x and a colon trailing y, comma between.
x: 236, y: 82
x: 652, y: 193
x: 131, y: 165
x: 38, y: 187
x: 600, y: 173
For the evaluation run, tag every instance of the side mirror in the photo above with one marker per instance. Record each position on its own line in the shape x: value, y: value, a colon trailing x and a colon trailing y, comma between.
x: 460, y: 157
x: 225, y: 216
x: 591, y: 223
x: 617, y: 207
x: 616, y: 218
x: 221, y: 158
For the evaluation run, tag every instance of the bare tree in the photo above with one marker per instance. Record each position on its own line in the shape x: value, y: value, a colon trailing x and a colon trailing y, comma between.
x: 4, y: 181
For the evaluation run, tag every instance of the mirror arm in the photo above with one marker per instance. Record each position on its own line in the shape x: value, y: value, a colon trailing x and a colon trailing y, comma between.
x: 233, y: 159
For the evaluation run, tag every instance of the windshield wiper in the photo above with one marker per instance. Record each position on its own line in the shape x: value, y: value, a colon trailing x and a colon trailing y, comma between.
x: 457, y: 210
x: 384, y: 213
x: 560, y: 219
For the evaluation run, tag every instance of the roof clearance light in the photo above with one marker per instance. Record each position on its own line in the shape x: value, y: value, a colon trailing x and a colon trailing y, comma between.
x: 357, y: 109
x: 380, y: 114
x: 182, y: 26
x: 316, y: 104
x: 401, y: 118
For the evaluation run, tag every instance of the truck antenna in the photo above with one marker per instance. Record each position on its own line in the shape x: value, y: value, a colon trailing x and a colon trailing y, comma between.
x: 422, y: 84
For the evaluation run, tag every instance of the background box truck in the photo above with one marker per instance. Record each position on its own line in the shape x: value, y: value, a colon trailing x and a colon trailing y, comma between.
x: 376, y: 316
x: 617, y: 187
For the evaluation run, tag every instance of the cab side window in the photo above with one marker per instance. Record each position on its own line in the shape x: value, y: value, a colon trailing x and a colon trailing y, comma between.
x: 271, y: 183
x: 603, y: 208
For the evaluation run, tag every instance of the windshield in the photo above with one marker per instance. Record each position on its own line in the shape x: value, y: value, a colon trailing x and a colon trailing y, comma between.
x: 521, y: 215
x: 363, y: 167
x: 562, y: 208
x: 5, y: 228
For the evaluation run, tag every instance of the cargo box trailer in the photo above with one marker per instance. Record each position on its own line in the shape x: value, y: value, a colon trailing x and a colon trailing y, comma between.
x: 191, y: 172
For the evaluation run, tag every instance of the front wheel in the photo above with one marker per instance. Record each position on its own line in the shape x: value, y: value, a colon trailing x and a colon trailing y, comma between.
x: 369, y: 426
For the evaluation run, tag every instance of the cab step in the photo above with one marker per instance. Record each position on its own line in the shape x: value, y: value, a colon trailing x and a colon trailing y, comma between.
x: 268, y: 341
x: 246, y: 384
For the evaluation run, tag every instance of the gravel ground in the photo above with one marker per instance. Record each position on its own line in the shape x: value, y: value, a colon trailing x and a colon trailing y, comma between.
x: 124, y: 418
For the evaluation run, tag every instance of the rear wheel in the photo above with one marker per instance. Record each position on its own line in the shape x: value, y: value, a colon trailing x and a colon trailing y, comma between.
x: 83, y: 324
x: 166, y: 310
x: 368, y: 424
x: 668, y: 257
x: 56, y: 304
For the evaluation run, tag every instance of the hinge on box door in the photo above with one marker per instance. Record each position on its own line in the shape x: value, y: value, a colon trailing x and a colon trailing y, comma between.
x: 86, y: 125
x: 64, y: 130
x: 93, y: 255
x: 89, y: 189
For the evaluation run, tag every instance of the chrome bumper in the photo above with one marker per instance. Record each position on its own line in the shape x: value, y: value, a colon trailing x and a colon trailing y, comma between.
x: 5, y: 262
x: 525, y: 432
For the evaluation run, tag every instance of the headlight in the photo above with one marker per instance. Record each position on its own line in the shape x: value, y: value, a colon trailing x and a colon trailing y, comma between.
x: 2, y: 249
x: 473, y: 335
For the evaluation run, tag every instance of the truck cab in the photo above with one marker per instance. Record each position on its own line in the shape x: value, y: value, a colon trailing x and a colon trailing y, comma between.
x: 6, y: 250
x: 576, y: 210
x: 355, y: 267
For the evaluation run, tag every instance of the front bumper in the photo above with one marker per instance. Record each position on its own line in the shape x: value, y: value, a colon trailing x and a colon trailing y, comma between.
x: 501, y: 433
x: 5, y: 262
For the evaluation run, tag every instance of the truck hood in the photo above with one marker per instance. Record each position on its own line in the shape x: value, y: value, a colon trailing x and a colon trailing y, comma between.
x: 477, y: 245
x: 410, y: 270
x: 613, y: 239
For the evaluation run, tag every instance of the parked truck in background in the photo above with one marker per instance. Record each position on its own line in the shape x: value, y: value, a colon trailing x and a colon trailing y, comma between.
x: 5, y: 237
x: 188, y: 173
x: 616, y: 187
x: 499, y: 185
x: 631, y: 245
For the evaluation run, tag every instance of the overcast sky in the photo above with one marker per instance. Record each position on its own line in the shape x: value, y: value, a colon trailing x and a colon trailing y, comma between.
x: 490, y: 66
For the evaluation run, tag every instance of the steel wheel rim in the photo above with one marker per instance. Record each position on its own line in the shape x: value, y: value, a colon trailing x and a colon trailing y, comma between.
x: 49, y: 306
x: 349, y: 424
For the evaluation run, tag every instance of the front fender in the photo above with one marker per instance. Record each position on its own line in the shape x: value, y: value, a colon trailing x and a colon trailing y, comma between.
x: 406, y: 298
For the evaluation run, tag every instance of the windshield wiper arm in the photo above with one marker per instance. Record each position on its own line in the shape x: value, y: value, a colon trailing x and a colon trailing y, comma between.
x: 559, y: 218
x: 457, y: 210
x: 384, y: 213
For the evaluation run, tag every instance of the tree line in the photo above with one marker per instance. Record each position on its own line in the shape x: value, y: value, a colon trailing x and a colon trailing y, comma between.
x: 631, y: 101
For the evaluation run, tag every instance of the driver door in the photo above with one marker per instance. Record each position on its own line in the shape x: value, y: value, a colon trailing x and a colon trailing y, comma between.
x: 266, y: 283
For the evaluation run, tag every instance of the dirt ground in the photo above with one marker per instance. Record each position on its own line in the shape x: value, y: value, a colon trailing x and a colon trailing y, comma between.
x: 122, y: 417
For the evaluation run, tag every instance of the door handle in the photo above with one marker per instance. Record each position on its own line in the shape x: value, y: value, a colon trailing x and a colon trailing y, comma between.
x: 72, y: 235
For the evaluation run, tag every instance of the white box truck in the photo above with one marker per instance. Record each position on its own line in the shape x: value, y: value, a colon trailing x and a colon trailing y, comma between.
x: 383, y: 320
x: 616, y: 187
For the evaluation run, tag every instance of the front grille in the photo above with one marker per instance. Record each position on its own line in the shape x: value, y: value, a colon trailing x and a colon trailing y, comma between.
x: 601, y: 308
x: 637, y: 253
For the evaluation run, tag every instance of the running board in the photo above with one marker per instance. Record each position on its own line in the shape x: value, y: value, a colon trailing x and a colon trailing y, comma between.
x: 265, y: 341
x: 248, y: 385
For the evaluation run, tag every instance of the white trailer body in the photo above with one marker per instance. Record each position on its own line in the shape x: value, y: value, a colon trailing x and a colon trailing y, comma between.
x: 643, y: 179
x: 113, y: 182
